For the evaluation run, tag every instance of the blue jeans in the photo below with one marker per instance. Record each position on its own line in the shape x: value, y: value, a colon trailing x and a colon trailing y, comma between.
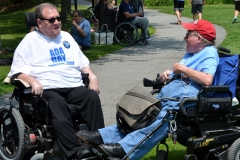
x: 111, y: 134
x: 176, y: 89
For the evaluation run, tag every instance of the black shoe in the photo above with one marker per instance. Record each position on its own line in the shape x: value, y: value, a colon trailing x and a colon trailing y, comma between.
x: 113, y: 150
x: 83, y: 153
x: 90, y: 137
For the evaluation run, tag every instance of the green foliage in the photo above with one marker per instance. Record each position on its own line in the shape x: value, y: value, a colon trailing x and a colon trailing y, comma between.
x: 170, y: 2
x: 221, y: 15
x: 40, y: 1
x: 158, y: 2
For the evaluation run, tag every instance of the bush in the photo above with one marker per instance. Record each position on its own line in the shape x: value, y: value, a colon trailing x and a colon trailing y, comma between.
x: 158, y: 2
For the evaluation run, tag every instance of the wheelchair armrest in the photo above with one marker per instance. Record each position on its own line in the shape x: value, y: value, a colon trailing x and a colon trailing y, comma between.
x: 215, y: 88
x: 24, y: 85
x: 6, y: 80
x: 181, y: 105
x: 20, y: 83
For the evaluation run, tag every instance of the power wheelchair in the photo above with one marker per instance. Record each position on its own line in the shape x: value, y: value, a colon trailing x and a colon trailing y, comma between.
x: 27, y: 131
x: 209, y: 127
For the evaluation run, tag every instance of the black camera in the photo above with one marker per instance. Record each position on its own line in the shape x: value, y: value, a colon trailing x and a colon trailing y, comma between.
x: 156, y: 84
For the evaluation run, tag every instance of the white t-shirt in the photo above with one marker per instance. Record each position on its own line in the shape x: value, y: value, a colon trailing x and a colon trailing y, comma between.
x: 55, y: 63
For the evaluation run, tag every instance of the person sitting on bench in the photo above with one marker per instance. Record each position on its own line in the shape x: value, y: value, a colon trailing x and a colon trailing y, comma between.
x: 196, y: 69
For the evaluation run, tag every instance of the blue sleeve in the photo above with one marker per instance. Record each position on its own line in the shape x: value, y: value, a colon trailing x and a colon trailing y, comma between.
x: 210, y: 63
x: 86, y: 27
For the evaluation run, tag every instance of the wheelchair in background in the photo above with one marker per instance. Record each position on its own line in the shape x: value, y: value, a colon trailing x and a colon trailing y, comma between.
x: 209, y: 126
x: 127, y: 33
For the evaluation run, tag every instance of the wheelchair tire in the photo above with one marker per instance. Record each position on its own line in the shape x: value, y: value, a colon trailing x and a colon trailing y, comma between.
x: 234, y: 150
x: 161, y: 155
x: 126, y: 33
x: 12, y: 134
x: 38, y: 156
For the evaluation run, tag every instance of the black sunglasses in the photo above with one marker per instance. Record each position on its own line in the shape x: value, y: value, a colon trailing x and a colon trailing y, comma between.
x: 52, y: 20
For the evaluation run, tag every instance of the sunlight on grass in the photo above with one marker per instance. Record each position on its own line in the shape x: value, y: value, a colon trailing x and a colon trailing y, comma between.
x: 221, y: 15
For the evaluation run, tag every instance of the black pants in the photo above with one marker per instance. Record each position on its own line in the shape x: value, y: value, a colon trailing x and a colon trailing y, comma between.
x: 88, y: 106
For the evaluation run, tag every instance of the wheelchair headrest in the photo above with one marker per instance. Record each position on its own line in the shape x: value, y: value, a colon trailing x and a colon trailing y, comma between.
x: 30, y: 19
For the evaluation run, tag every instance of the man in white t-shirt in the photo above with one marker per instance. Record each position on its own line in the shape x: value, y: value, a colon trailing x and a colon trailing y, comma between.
x: 51, y: 62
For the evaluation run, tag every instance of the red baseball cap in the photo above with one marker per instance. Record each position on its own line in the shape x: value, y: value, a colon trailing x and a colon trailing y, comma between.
x: 203, y: 27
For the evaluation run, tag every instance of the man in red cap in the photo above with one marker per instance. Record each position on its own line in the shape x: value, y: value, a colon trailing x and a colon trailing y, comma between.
x: 196, y: 69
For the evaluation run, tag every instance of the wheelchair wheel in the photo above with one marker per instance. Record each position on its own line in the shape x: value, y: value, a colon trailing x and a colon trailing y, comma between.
x: 38, y: 156
x: 234, y: 151
x: 12, y: 134
x: 126, y: 33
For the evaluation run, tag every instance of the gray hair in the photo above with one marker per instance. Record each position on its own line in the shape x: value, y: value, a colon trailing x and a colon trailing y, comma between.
x: 39, y: 9
x: 80, y: 14
x: 205, y: 42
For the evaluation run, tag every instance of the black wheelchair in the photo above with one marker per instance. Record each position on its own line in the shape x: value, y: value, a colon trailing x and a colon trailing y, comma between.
x: 210, y: 128
x: 28, y: 128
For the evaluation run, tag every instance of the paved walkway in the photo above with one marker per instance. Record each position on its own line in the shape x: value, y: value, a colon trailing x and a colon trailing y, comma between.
x: 123, y: 69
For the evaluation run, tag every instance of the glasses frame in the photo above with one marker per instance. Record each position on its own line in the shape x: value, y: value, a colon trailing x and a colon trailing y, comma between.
x: 194, y: 34
x: 52, y: 20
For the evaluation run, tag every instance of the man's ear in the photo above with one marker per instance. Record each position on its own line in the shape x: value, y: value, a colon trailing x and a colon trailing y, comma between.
x: 199, y: 38
x: 39, y: 23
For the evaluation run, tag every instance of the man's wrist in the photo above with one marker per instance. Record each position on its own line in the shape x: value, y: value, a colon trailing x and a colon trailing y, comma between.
x: 79, y: 29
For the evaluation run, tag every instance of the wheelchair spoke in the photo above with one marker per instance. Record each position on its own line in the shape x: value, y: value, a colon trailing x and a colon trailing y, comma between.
x: 126, y: 33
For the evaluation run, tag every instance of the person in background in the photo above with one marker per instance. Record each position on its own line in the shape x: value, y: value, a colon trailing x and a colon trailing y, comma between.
x: 108, y: 6
x: 197, y: 7
x: 126, y: 12
x: 196, y: 69
x: 236, y: 11
x: 178, y: 8
x: 80, y: 30
x: 50, y: 61
x: 140, y: 7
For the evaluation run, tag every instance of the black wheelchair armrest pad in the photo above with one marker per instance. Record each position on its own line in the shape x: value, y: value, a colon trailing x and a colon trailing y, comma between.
x: 183, y: 102
x: 215, y: 88
x: 20, y: 83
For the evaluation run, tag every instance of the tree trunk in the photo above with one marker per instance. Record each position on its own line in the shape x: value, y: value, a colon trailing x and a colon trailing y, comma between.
x: 64, y: 10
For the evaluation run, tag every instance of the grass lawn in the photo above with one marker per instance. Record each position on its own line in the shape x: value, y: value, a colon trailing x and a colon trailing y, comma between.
x: 221, y: 15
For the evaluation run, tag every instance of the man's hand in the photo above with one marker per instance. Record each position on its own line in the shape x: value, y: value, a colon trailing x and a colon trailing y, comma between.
x: 37, y: 88
x: 94, y: 86
x: 178, y: 68
x: 164, y: 77
x: 139, y: 13
x: 74, y: 23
